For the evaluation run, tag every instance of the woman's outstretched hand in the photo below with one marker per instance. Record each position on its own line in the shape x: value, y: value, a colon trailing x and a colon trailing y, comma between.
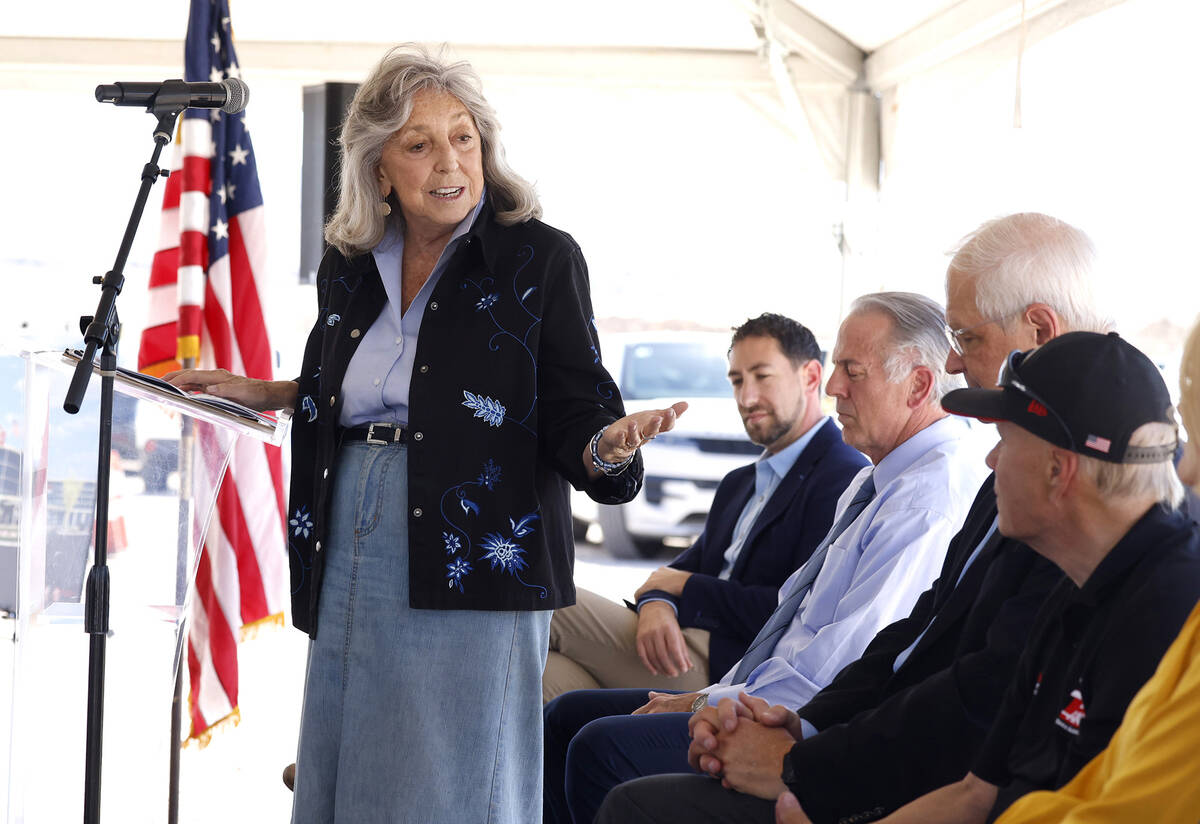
x: 623, y: 437
x: 259, y: 395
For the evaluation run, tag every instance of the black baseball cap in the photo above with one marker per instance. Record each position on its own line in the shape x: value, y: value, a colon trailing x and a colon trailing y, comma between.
x: 1081, y: 391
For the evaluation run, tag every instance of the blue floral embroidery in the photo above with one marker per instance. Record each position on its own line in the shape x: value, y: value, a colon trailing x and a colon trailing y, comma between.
x: 455, y: 573
x: 468, y: 506
x: 300, y: 565
x: 490, y: 475
x: 308, y: 405
x: 503, y: 553
x: 488, y: 298
x: 332, y: 319
x: 344, y: 282
x: 524, y: 526
x: 301, y: 522
x: 489, y: 409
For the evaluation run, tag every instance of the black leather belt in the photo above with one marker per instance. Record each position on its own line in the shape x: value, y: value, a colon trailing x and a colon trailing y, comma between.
x: 378, y: 433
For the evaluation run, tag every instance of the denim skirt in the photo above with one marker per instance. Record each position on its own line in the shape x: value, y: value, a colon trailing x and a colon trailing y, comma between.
x: 411, y: 715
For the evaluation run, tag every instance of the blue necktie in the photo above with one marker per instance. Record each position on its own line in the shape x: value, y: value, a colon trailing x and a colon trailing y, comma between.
x: 764, y: 643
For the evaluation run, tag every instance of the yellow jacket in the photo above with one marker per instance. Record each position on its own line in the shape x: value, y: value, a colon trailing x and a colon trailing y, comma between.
x: 1150, y: 771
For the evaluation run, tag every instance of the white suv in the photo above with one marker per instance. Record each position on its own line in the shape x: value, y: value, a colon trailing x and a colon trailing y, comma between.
x: 683, y: 466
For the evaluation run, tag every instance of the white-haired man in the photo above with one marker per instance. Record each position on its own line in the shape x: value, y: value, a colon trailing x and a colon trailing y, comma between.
x: 1084, y: 475
x: 887, y: 543
x: 913, y: 710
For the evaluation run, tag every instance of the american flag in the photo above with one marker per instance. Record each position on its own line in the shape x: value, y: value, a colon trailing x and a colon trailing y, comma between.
x: 204, y: 304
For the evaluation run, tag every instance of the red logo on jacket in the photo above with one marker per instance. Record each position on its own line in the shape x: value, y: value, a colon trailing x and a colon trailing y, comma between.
x: 1072, y: 715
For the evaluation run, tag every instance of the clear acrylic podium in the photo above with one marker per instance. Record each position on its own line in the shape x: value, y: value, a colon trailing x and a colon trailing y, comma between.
x: 170, y: 456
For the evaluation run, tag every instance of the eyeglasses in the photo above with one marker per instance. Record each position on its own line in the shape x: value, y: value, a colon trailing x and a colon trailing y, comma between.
x: 1011, y: 379
x: 955, y: 335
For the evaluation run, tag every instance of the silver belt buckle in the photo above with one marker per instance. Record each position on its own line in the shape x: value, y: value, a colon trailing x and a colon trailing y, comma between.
x: 371, y: 436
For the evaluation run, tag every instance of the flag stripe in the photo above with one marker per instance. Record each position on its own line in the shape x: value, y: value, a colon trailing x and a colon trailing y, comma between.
x: 253, y: 344
x: 252, y: 599
x: 206, y: 302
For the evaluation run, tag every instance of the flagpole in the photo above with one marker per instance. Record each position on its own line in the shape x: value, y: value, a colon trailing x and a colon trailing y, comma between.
x: 197, y: 262
x: 183, y: 547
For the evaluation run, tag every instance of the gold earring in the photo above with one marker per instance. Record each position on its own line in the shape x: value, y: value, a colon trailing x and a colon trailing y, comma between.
x: 385, y: 208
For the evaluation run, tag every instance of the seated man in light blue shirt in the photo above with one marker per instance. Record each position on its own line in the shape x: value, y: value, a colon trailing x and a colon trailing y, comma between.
x: 695, y: 617
x: 888, y: 541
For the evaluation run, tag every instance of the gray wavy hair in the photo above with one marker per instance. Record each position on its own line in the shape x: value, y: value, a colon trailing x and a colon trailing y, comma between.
x: 918, y: 338
x: 382, y: 104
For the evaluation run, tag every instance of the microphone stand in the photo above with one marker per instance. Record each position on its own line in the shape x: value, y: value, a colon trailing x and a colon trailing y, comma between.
x: 102, y: 331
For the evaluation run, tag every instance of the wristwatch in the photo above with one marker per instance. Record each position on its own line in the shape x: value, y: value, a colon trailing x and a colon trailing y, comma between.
x: 701, y: 702
x: 788, y: 773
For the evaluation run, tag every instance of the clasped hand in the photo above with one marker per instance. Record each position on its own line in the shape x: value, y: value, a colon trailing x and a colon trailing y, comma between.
x: 743, y: 743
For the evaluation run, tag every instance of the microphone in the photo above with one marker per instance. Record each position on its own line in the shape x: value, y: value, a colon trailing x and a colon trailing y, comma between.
x: 230, y: 96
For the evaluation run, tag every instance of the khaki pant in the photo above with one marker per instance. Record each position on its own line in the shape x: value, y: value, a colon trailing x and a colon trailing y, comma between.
x: 594, y: 644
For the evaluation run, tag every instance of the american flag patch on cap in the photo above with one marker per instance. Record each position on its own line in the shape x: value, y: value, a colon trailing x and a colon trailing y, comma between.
x: 1097, y: 443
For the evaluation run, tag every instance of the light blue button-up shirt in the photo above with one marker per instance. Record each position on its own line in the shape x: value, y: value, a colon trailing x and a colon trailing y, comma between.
x: 375, y: 387
x: 877, y: 568
x: 768, y: 472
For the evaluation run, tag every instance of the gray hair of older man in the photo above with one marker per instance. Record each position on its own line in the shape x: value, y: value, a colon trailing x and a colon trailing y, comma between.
x: 382, y: 104
x: 918, y: 337
x: 1029, y: 258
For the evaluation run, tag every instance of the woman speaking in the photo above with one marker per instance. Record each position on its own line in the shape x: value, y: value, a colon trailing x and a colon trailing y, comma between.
x: 451, y: 388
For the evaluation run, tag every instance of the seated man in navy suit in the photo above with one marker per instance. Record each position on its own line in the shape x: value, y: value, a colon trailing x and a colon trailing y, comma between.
x: 911, y: 713
x: 696, y: 616
x: 890, y: 538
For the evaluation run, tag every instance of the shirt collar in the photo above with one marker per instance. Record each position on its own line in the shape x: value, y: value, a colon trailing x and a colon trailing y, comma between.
x: 782, y: 461
x: 949, y: 428
x: 482, y: 233
x: 393, y: 238
x: 1151, y: 531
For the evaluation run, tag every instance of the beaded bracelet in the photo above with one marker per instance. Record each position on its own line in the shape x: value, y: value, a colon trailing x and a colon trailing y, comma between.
x: 601, y: 465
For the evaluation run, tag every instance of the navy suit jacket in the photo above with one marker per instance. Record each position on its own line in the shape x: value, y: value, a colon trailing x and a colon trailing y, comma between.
x: 789, y: 527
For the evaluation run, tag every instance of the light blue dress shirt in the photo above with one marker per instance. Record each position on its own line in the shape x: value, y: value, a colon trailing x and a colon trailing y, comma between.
x: 375, y: 387
x: 768, y: 472
x: 877, y: 568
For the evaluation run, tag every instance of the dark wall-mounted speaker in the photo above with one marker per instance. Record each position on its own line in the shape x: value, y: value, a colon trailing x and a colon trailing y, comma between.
x: 324, y: 109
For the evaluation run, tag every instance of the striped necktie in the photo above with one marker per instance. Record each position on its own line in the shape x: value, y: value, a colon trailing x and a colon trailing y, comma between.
x: 764, y: 643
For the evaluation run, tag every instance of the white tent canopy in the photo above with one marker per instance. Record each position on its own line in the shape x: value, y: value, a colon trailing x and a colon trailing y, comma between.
x: 684, y: 142
x: 714, y: 158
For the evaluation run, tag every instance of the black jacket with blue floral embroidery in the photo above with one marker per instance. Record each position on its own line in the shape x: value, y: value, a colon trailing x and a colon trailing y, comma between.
x: 506, y: 390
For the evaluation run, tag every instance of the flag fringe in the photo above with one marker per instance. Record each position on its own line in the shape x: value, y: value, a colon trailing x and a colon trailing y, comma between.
x: 205, y: 738
x: 251, y: 630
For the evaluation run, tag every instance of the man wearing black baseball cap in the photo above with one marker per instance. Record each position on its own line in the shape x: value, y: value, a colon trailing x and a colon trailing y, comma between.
x: 911, y: 713
x: 1084, y: 477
